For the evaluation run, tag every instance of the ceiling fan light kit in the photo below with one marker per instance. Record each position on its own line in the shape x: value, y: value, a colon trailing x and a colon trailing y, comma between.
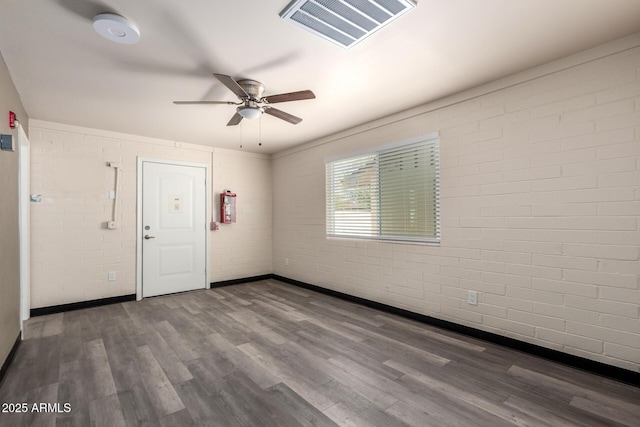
x: 116, y: 28
x: 248, y: 112
x: 345, y: 22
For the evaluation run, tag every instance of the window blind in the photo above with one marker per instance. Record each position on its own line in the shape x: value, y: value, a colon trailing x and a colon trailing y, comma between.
x: 390, y: 194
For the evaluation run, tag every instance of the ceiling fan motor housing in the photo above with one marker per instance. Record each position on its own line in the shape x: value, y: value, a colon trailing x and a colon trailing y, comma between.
x: 254, y: 88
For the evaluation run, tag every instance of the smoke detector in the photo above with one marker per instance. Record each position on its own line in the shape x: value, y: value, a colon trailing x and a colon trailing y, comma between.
x: 116, y: 28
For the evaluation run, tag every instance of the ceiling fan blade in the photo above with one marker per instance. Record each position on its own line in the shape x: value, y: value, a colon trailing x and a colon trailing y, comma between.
x: 291, y: 96
x: 203, y: 102
x: 282, y: 115
x: 233, y: 85
x: 235, y: 120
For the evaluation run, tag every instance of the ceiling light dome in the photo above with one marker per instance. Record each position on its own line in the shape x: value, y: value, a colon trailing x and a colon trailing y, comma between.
x: 116, y: 28
x: 249, y: 112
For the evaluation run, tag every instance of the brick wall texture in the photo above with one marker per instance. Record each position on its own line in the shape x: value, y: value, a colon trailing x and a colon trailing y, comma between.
x: 540, y: 207
x: 72, y: 251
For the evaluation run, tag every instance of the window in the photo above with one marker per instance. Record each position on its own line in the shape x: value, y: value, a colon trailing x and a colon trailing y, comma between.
x: 389, y: 193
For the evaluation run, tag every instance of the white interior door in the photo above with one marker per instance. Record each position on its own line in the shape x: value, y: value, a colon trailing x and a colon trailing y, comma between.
x: 174, y: 215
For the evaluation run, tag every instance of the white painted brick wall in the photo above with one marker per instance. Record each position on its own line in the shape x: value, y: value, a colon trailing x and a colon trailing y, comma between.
x: 71, y: 250
x: 540, y: 201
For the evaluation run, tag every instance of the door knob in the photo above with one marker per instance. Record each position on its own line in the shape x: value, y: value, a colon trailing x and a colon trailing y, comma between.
x: 146, y: 236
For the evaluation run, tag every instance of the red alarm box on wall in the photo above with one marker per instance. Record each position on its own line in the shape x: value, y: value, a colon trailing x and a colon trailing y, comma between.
x: 227, y: 207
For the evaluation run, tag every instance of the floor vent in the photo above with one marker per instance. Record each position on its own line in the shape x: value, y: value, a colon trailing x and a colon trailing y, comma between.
x: 345, y: 22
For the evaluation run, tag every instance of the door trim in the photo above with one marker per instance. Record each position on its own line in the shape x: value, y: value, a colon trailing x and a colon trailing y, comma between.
x: 139, y: 230
x: 24, y: 222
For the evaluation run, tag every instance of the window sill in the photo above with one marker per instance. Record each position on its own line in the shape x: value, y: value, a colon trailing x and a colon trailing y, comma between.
x: 392, y: 241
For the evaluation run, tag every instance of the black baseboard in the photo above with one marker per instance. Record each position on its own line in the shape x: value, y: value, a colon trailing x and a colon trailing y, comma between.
x: 80, y: 305
x: 9, y: 359
x: 602, y: 369
x: 240, y: 281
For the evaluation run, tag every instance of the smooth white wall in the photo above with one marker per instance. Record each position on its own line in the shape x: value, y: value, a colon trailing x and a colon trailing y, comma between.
x: 72, y: 252
x: 540, y: 201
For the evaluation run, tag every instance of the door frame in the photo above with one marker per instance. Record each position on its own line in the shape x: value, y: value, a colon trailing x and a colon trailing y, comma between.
x: 24, y: 222
x: 139, y: 231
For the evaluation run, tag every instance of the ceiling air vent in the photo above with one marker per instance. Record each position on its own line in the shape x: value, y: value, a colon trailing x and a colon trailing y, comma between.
x: 345, y: 22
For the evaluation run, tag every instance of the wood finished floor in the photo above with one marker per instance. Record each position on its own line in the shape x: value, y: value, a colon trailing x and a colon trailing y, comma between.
x: 271, y: 354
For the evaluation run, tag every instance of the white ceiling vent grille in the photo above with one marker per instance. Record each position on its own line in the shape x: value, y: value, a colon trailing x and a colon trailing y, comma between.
x: 345, y: 22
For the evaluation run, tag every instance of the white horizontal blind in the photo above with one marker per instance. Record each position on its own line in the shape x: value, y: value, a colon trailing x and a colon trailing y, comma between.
x: 391, y: 194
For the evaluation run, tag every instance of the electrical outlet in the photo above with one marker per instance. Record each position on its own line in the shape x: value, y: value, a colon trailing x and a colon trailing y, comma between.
x: 112, y: 276
x: 286, y: 261
x: 472, y: 297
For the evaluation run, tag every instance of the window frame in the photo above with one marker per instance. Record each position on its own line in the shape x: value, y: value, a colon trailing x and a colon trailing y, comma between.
x: 330, y: 196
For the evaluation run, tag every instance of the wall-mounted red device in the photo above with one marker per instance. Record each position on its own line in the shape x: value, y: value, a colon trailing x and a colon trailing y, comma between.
x: 227, y: 207
x: 12, y: 120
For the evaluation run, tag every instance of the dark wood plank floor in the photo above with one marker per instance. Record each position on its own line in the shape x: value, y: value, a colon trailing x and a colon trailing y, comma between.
x: 271, y: 354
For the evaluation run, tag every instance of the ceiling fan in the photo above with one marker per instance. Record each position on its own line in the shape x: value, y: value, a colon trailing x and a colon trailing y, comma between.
x: 252, y: 104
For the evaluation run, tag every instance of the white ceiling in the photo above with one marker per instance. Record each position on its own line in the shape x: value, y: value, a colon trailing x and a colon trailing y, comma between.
x: 67, y: 73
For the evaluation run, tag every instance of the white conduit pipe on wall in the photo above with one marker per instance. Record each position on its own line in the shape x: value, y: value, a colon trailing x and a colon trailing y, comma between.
x: 113, y: 224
